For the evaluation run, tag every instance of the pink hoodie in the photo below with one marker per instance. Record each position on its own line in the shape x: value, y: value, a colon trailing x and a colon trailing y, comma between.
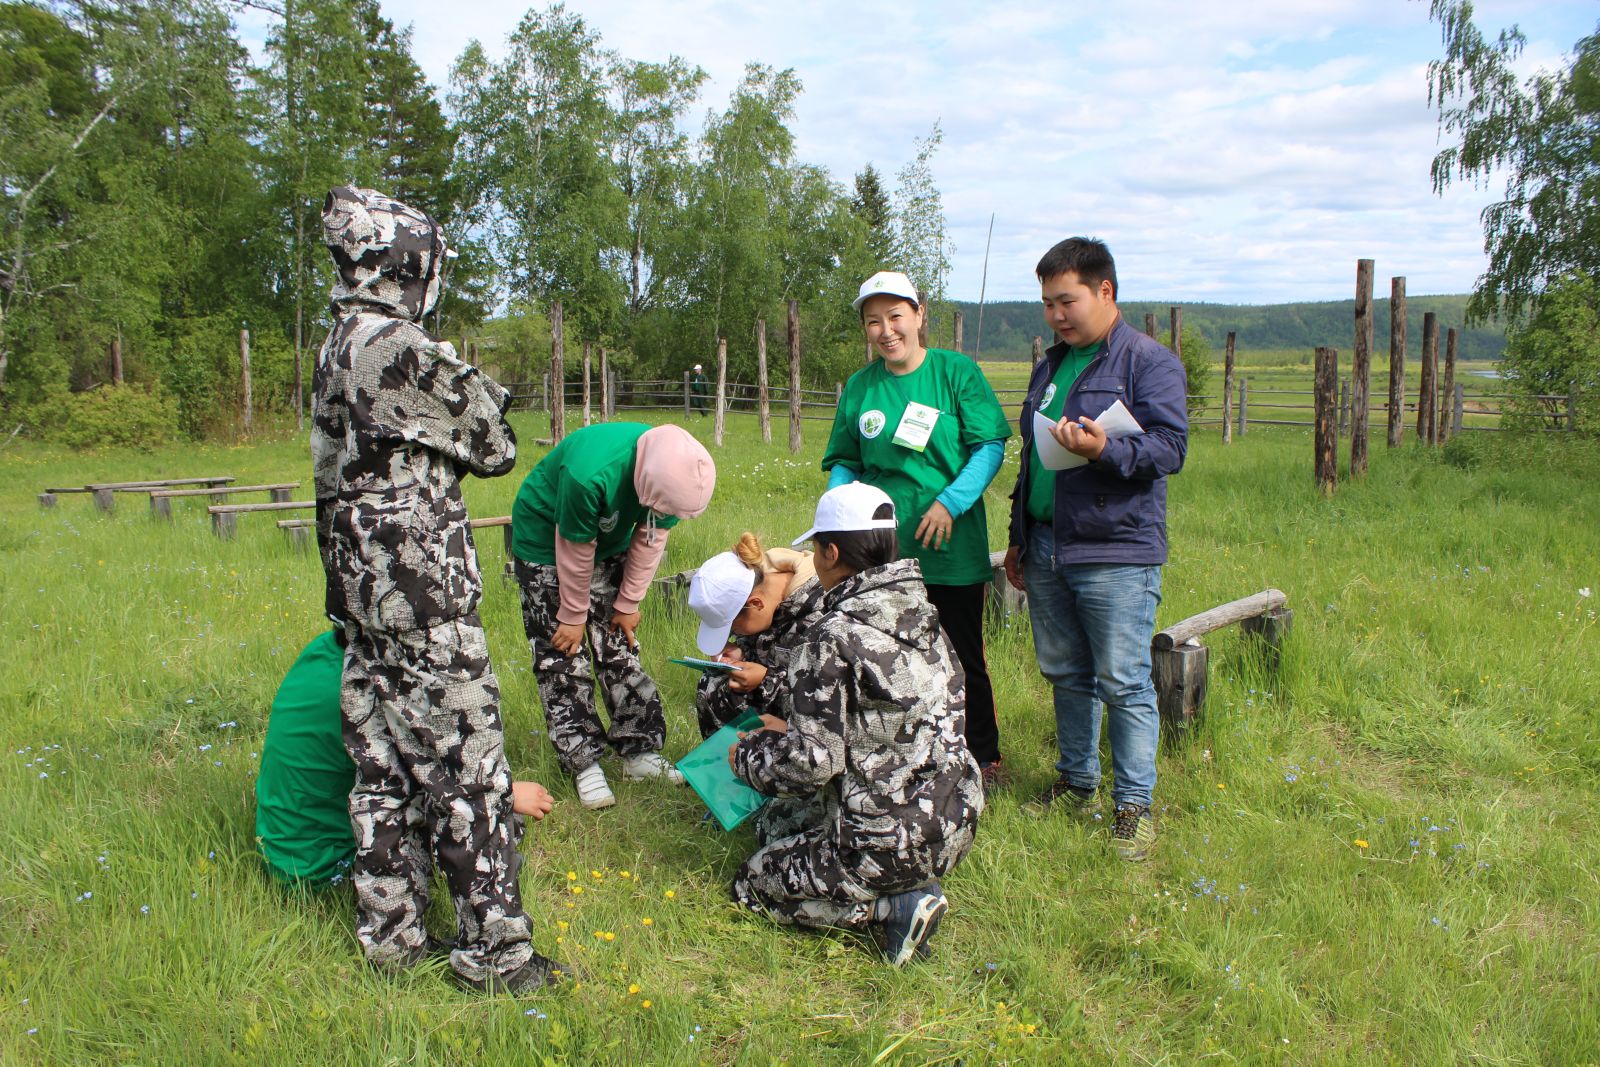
x: 673, y: 475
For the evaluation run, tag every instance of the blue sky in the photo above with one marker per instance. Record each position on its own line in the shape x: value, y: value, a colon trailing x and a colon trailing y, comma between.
x: 1237, y: 153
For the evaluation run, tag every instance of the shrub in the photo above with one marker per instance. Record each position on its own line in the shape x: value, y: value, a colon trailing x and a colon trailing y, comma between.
x: 112, y: 416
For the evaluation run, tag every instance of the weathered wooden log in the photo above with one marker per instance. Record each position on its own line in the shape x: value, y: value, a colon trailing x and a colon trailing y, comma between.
x: 1269, y: 628
x: 1325, y: 441
x: 1196, y: 626
x: 763, y: 399
x: 1150, y: 325
x: 1428, y: 389
x: 1038, y: 350
x: 1179, y: 676
x: 47, y: 500
x: 1227, y: 388
x: 1397, y: 361
x: 1244, y: 405
x: 1177, y: 331
x: 719, y: 416
x: 1361, y: 370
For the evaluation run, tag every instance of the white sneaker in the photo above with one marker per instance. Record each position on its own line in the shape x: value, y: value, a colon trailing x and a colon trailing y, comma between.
x: 594, y: 792
x: 650, y: 765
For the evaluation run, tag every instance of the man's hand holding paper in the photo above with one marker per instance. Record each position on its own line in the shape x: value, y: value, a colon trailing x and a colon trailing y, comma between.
x: 1075, y: 442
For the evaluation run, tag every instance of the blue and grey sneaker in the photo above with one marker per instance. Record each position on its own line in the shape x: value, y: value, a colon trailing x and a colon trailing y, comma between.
x: 913, y: 919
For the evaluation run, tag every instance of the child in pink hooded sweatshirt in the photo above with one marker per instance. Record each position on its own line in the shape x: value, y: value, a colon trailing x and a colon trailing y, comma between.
x: 588, y: 530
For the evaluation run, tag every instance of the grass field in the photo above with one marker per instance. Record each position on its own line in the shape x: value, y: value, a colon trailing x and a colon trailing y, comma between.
x: 1386, y: 852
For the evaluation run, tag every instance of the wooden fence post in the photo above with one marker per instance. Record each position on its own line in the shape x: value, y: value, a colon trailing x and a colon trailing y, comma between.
x: 959, y: 331
x: 794, y: 375
x: 1428, y: 391
x: 1447, y: 391
x: 1397, y: 361
x: 1344, y: 406
x: 1361, y: 370
x: 1227, y: 388
x: 686, y: 394
x: 763, y: 401
x: 606, y: 399
x: 244, y: 374
x: 558, y: 376
x: 116, y: 358
x: 1038, y: 350
x: 1269, y: 630
x: 1244, y: 405
x: 720, y: 416
x: 1325, y: 441
x: 588, y: 412
x: 1177, y: 332
x: 1179, y: 677
x: 1150, y: 325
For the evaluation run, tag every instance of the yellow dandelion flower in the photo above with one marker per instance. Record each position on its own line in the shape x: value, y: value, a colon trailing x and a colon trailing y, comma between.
x: 624, y: 874
x: 1221, y: 786
x: 610, y: 936
x: 577, y: 889
x: 1360, y: 843
x: 634, y: 988
x: 646, y: 1004
x: 561, y: 923
x: 572, y: 876
x: 596, y: 874
x: 647, y: 921
x: 598, y: 934
x: 671, y: 894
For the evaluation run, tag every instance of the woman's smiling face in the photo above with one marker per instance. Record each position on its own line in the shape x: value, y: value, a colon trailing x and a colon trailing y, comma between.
x: 892, y: 324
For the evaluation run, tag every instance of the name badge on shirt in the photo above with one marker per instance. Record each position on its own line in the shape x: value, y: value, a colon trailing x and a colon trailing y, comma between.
x: 916, y: 426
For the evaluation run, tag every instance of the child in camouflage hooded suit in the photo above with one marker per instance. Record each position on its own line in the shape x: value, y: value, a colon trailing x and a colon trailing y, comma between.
x: 397, y: 418
x: 872, y: 731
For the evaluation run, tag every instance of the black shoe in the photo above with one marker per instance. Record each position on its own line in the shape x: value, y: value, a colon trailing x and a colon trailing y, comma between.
x: 913, y: 919
x: 1062, y: 795
x: 537, y: 973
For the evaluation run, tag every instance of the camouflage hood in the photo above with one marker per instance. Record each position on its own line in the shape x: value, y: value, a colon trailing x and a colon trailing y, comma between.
x: 892, y: 600
x: 388, y: 254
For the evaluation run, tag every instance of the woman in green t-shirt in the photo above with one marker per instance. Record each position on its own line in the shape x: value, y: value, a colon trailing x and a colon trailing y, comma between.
x: 923, y: 425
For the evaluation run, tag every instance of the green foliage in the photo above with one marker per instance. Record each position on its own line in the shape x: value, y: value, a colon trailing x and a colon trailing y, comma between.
x: 1555, y: 352
x: 871, y: 205
x: 1196, y: 356
x: 117, y: 417
x: 1542, y: 135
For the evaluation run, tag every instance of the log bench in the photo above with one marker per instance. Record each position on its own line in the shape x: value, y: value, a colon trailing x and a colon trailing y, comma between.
x: 225, y: 517
x: 103, y: 491
x: 298, y: 531
x: 1178, y: 660
x: 161, y: 499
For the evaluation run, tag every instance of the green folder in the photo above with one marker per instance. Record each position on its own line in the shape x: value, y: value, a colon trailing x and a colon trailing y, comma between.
x: 707, y: 770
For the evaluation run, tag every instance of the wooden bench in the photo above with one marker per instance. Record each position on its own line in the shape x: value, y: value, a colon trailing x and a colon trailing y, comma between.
x: 299, y: 533
x: 1178, y: 660
x: 161, y: 499
x: 225, y: 521
x: 103, y: 491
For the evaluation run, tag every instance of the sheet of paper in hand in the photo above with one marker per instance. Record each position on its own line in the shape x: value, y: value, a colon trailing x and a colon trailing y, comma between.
x: 1116, y: 421
x: 706, y: 770
x: 710, y: 666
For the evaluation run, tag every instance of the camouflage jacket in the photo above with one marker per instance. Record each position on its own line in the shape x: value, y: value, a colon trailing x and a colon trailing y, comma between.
x: 396, y: 419
x: 795, y: 617
x: 877, y: 719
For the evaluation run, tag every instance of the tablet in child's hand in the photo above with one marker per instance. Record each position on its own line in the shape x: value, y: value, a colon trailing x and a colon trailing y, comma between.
x: 714, y: 666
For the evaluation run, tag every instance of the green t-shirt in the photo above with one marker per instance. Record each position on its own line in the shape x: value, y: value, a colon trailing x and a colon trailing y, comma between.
x: 584, y: 488
x: 303, y: 791
x: 863, y: 439
x: 1042, y: 483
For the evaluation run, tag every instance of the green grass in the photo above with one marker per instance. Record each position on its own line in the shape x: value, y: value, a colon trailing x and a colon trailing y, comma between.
x: 1436, y: 701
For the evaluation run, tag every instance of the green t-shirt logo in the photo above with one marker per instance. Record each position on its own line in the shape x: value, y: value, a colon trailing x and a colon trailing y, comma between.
x: 872, y: 423
x: 1049, y: 395
x: 609, y: 522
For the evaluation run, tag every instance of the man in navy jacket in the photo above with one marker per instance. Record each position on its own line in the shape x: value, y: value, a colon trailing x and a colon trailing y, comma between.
x: 1088, y: 542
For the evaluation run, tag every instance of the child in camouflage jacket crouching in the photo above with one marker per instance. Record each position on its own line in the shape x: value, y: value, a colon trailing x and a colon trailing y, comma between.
x: 873, y: 728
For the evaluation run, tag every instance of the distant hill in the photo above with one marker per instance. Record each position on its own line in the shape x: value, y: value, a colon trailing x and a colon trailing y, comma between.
x: 1010, y: 327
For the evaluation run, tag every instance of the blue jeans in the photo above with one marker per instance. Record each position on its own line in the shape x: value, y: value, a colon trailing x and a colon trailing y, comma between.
x: 1092, y: 624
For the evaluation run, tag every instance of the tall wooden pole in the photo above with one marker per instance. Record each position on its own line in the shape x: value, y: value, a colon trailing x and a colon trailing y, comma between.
x: 1177, y: 331
x: 1325, y: 437
x: 1397, y: 361
x: 763, y: 401
x: 1428, y: 389
x: 1448, y: 390
x: 116, y: 358
x: 558, y: 376
x: 794, y: 376
x: 1361, y: 370
x: 1038, y: 350
x: 960, y: 331
x: 607, y: 410
x: 588, y: 413
x: 244, y: 374
x: 719, y: 417
x: 1150, y: 325
x: 1227, y: 389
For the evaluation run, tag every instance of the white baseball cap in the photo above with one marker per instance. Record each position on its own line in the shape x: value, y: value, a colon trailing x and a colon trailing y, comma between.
x: 717, y: 593
x: 887, y: 283
x: 849, y: 507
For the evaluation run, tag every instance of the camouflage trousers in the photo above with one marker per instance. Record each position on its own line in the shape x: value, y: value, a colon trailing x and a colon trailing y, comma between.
x: 566, y: 686
x: 806, y: 879
x: 422, y: 723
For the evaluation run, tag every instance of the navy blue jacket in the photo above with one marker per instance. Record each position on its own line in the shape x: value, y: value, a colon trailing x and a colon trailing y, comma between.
x: 1114, y: 510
